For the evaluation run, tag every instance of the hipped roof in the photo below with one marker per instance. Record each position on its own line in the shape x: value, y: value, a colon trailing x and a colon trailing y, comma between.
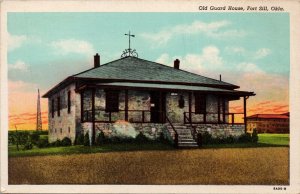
x: 136, y: 70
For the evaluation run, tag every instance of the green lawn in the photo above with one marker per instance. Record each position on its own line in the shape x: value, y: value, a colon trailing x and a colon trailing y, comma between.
x: 13, y: 152
x: 274, y: 139
x: 264, y: 140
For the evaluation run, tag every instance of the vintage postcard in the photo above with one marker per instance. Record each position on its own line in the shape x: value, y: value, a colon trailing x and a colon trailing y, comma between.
x: 150, y: 96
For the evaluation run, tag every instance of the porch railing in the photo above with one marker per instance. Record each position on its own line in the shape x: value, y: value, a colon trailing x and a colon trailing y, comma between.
x: 133, y: 116
x: 228, y: 118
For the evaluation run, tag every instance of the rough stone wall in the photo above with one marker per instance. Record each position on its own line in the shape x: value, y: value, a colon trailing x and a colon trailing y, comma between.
x: 221, y: 130
x: 138, y: 100
x: 150, y: 130
x: 63, y: 125
x: 174, y: 112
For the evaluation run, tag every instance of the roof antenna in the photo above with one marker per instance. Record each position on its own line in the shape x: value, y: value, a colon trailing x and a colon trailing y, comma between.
x: 129, y: 52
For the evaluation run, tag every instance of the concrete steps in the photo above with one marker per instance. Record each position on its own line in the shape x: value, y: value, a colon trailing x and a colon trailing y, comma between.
x: 185, y: 137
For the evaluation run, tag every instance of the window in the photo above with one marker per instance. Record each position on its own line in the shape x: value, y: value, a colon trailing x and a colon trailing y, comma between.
x: 52, y: 108
x: 60, y: 130
x: 55, y: 130
x: 112, y: 101
x: 58, y: 106
x: 69, y: 129
x: 69, y: 102
x: 200, y: 103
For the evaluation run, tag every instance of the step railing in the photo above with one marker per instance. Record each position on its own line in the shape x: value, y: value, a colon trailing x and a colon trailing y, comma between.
x: 192, y: 128
x: 175, y: 132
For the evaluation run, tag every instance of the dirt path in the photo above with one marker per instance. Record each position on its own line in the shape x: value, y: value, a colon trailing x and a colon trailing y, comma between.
x: 199, y: 166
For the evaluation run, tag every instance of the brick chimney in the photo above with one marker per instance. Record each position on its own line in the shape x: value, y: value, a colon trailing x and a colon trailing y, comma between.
x: 176, y: 64
x: 96, y: 60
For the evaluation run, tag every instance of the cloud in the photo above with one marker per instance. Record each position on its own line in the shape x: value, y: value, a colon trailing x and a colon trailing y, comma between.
x: 235, y: 50
x: 68, y: 46
x: 261, y: 53
x: 16, y: 41
x: 209, y: 58
x: 248, y: 67
x: 19, y: 66
x: 211, y: 29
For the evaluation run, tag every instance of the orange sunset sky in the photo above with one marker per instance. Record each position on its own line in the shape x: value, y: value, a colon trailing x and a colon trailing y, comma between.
x: 45, y: 48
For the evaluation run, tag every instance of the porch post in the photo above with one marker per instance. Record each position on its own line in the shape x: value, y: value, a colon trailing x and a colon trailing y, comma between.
x: 223, y: 106
x: 126, y: 105
x: 190, y: 106
x: 245, y: 112
x: 81, y: 105
x: 160, y: 107
x: 93, y: 117
x: 219, y: 116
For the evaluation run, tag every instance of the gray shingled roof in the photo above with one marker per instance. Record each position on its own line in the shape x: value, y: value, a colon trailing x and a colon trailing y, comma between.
x: 132, y: 68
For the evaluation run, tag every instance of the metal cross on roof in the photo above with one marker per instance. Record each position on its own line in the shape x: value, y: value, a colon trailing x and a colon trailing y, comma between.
x: 129, y: 51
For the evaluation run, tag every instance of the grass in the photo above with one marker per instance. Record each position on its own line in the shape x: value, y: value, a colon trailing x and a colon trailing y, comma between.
x: 80, y: 149
x: 274, y: 139
x: 265, y: 140
x: 259, y: 166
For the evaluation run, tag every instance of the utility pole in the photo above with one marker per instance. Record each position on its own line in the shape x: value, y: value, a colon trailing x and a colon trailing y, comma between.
x: 38, y: 114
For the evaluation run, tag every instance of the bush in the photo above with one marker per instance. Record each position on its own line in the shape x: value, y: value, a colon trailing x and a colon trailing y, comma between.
x: 100, y: 138
x: 245, y: 138
x: 27, y: 146
x: 42, y: 143
x: 254, y: 136
x: 79, y: 140
x: 66, y: 141
x: 207, y: 138
x: 57, y: 143
x: 199, y: 139
x: 86, y: 140
x: 141, y: 138
x: 34, y: 137
x: 230, y: 139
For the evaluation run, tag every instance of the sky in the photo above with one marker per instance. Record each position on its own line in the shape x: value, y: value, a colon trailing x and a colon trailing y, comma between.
x: 249, y: 49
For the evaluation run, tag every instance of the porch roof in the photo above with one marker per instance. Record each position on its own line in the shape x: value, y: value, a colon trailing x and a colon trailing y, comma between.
x: 174, y: 87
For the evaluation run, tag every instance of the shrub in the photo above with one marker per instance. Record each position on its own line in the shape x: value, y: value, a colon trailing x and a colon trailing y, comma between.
x: 34, y: 137
x: 79, y: 140
x: 141, y: 138
x: 229, y: 139
x: 207, y: 138
x: 57, y: 143
x: 66, y: 141
x: 100, y: 138
x: 86, y: 140
x: 245, y: 138
x: 27, y: 145
x: 254, y: 136
x: 42, y: 143
x: 199, y: 139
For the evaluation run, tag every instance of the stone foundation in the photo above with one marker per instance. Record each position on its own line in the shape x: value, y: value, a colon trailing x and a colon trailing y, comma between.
x: 125, y: 129
x: 221, y: 130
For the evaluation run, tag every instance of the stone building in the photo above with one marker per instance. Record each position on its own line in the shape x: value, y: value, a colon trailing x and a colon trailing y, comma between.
x: 269, y: 123
x: 132, y: 95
